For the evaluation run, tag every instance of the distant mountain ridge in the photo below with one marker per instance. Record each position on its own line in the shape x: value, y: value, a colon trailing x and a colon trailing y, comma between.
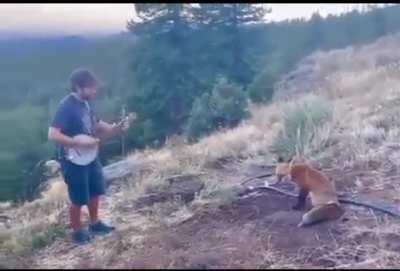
x: 30, y: 45
x: 27, y: 45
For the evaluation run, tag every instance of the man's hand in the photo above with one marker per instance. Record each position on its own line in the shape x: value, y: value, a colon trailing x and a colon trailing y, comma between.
x: 118, y: 127
x: 88, y: 142
x: 107, y: 130
x: 124, y: 125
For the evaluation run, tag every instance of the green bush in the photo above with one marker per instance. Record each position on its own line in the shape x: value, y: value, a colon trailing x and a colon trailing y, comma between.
x: 302, y: 121
x: 225, y: 107
x: 23, y: 144
x: 262, y: 87
x: 42, y: 240
x: 201, y: 118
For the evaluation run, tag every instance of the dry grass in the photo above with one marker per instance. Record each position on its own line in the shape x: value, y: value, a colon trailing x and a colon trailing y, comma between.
x: 35, y: 224
x: 249, y: 140
x: 369, y: 247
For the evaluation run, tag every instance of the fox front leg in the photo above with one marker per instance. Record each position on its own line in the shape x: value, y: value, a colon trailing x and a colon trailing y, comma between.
x: 301, y: 199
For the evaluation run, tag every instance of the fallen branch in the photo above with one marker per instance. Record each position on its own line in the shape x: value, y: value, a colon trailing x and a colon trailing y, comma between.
x: 257, y: 177
x: 341, y: 200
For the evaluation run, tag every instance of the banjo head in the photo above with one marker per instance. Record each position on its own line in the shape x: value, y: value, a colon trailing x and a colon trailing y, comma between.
x: 82, y: 156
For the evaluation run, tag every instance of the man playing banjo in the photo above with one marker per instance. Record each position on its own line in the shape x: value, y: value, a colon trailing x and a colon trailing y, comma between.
x: 76, y: 127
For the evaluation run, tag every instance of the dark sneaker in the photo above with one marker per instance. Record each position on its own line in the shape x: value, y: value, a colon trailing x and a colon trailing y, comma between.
x: 100, y: 228
x: 81, y: 237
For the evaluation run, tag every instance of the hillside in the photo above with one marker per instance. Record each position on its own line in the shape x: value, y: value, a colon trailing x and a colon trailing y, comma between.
x: 210, y: 226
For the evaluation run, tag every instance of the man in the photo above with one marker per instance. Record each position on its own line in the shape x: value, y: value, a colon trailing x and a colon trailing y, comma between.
x: 85, y: 184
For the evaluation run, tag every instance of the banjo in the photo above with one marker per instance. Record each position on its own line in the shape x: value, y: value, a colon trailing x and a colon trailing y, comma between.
x: 83, y: 156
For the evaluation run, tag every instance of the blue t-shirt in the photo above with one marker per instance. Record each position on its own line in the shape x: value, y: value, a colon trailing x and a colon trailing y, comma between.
x: 74, y: 116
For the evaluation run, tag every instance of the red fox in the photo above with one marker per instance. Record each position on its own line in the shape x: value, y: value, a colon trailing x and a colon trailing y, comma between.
x: 322, y: 191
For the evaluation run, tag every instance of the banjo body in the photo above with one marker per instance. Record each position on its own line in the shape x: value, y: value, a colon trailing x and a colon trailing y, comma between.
x: 83, y: 156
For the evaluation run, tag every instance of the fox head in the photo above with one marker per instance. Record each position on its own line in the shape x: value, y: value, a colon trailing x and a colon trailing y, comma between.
x: 283, y: 169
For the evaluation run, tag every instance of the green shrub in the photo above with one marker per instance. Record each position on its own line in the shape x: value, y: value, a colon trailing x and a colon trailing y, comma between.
x: 42, y: 240
x: 302, y: 122
x: 201, y: 118
x: 262, y: 87
x: 21, y: 241
x: 225, y: 107
x: 23, y: 144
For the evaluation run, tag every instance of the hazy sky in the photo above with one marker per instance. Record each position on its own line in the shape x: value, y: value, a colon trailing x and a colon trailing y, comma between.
x: 109, y: 18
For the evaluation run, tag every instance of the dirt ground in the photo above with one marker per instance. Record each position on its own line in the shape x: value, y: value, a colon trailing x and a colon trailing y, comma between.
x: 252, y: 233
x: 257, y: 231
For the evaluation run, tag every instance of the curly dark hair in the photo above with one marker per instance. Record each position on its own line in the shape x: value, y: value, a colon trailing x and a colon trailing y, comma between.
x: 82, y: 77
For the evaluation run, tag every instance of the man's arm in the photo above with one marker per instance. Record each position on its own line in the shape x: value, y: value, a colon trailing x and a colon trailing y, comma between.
x: 105, y: 130
x: 56, y: 135
x: 60, y: 120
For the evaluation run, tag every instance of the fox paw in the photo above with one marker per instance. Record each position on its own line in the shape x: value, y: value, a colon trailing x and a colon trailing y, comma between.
x: 297, y: 207
x: 300, y: 225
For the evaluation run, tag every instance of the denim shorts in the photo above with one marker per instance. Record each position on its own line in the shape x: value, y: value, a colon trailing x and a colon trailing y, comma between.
x: 83, y: 182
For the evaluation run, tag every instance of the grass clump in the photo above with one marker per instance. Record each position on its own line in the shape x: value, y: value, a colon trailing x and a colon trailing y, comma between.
x: 46, y: 238
x: 302, y: 122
